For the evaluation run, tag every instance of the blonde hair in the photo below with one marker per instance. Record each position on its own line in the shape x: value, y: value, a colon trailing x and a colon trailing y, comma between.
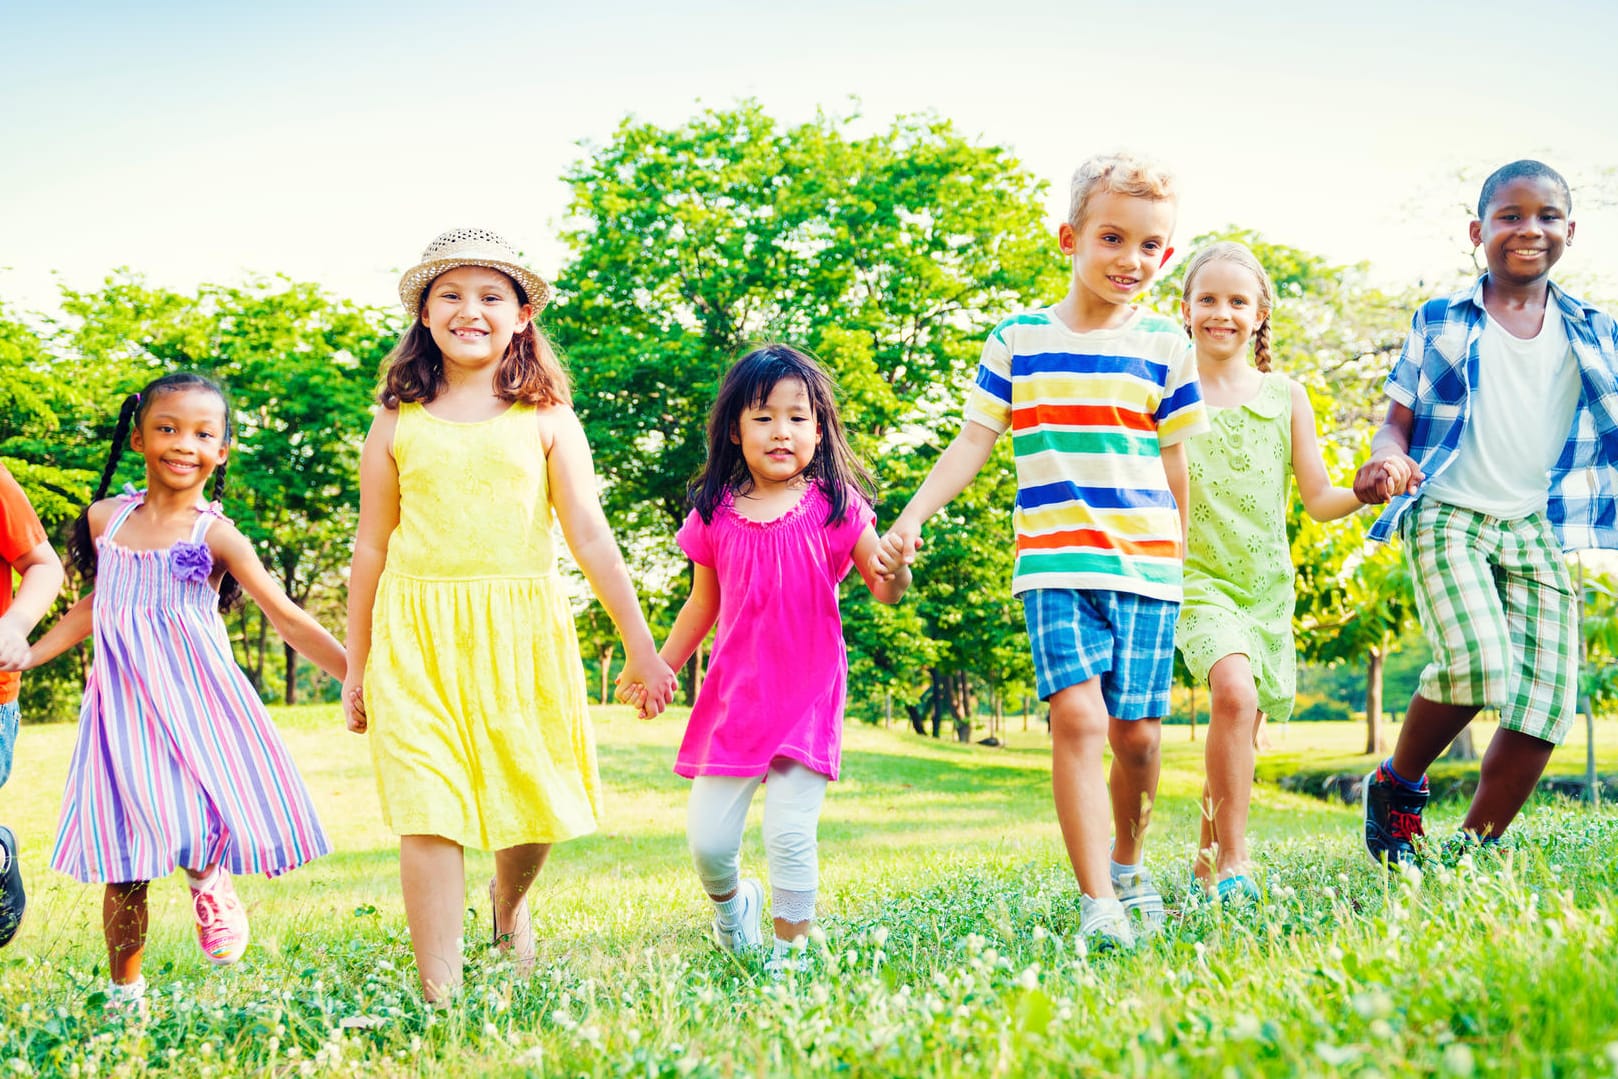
x: 1230, y: 251
x: 1117, y: 174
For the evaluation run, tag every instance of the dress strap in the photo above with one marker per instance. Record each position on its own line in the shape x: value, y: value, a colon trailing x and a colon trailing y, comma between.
x: 132, y: 501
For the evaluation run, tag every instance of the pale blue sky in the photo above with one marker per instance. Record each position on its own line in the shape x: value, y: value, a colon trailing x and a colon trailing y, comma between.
x: 204, y: 142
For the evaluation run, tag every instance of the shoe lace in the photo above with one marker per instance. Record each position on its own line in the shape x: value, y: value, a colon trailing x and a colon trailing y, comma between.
x: 1404, y: 825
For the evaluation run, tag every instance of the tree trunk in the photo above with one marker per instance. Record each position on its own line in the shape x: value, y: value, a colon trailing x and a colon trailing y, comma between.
x: 961, y: 705
x: 1462, y: 748
x: 939, y: 694
x: 263, y: 651
x: 1373, y: 702
x: 292, y: 673
x: 607, y: 651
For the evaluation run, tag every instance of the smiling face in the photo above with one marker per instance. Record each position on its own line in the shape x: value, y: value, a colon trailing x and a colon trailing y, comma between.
x: 182, y: 437
x: 1524, y: 229
x: 1223, y: 306
x: 472, y: 313
x: 1119, y: 246
x: 778, y: 435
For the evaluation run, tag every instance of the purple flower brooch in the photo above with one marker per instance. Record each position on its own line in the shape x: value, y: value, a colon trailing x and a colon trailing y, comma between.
x: 190, y: 561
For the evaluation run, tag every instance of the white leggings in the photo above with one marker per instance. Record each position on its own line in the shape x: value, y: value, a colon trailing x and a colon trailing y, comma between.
x: 717, y: 815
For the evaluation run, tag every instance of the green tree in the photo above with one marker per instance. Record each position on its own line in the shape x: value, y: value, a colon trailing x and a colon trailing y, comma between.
x: 890, y: 255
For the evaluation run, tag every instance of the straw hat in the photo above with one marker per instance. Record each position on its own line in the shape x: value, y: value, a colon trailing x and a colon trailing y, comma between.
x: 470, y: 247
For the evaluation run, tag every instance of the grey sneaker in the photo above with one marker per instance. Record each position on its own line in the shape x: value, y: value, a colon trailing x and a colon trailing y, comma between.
x: 1104, y: 924
x: 1140, y: 897
x: 746, y: 935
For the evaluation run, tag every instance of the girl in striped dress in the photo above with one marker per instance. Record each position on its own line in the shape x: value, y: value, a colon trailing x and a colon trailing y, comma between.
x: 177, y: 763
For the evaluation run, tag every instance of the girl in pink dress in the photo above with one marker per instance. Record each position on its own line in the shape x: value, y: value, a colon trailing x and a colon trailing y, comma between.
x: 781, y: 511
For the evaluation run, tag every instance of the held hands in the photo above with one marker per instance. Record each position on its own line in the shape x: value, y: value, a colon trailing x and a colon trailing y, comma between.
x: 897, y: 549
x: 646, y: 684
x: 1385, y: 477
x: 354, y: 705
x: 14, y: 653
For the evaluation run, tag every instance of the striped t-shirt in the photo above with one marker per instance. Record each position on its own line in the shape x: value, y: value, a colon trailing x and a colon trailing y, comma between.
x: 1089, y: 415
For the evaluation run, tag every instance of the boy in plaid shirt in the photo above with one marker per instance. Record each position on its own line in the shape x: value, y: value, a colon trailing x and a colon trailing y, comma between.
x: 1499, y: 452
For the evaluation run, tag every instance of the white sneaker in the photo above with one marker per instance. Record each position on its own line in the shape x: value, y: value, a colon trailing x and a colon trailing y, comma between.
x: 746, y: 935
x: 788, y: 958
x: 1104, y: 924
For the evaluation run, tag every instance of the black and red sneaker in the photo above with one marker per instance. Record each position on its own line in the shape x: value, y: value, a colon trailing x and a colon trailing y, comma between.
x: 1392, y: 817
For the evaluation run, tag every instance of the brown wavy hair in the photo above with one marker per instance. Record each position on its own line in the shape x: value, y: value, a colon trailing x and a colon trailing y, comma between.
x: 1230, y: 251
x: 529, y: 372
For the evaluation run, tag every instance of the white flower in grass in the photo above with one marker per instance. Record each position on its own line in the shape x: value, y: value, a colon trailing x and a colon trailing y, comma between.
x: 1029, y: 978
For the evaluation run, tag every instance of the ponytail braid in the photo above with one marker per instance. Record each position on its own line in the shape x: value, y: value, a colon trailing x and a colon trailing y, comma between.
x: 230, y: 589
x: 1261, y: 344
x: 79, y: 545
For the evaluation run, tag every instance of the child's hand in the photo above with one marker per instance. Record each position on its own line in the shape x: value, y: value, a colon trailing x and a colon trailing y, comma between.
x: 354, y: 705
x: 647, y: 684
x: 897, y: 548
x: 1382, y: 478
x: 14, y: 654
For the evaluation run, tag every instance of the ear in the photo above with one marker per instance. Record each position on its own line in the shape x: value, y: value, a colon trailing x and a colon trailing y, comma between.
x: 1570, y: 230
x: 735, y: 434
x: 224, y: 455
x: 136, y: 443
x: 1066, y: 239
x: 1185, y: 312
x: 525, y: 315
x: 1475, y: 231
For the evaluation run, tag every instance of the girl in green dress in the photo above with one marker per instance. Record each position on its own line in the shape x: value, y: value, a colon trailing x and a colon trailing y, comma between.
x: 1235, y: 627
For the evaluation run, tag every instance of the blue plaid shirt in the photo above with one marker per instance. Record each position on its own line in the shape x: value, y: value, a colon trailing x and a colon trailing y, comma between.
x: 1434, y: 379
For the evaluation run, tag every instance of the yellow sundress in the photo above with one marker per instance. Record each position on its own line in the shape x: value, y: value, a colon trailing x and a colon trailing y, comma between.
x: 478, y: 723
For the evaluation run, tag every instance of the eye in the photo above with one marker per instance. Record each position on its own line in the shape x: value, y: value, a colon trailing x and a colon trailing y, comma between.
x: 1109, y: 237
x: 1151, y: 245
x: 1238, y: 301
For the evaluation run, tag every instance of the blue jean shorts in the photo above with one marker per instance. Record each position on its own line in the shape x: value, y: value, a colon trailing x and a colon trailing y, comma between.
x: 10, y: 715
x: 1126, y: 639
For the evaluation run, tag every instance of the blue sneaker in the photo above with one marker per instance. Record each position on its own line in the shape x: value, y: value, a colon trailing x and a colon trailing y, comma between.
x: 1392, y: 817
x: 1237, y: 889
x: 12, y: 898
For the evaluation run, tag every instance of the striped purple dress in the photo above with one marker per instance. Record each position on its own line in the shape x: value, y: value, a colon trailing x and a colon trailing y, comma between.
x: 177, y: 762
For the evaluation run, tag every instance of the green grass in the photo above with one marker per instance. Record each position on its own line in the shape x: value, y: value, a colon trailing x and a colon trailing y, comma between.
x: 948, y: 947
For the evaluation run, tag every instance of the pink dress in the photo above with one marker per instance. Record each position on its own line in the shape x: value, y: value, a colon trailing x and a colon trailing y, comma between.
x: 777, y: 676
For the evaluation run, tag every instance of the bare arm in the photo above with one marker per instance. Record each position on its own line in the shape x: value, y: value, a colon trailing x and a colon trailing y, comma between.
x: 1322, y: 500
x: 1390, y: 471
x: 1179, y: 477
x: 41, y: 571
x: 379, y: 516
x: 696, y: 617
x: 953, y: 472
x: 295, y: 625
x: 571, y: 473
x: 886, y: 587
x: 73, y: 627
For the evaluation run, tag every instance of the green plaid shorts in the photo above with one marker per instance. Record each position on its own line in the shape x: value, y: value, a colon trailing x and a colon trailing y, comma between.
x: 1497, y: 606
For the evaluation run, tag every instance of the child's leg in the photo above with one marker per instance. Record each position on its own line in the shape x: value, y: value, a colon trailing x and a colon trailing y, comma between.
x: 514, y: 871
x: 123, y: 920
x: 1429, y: 727
x: 1228, y: 754
x: 792, y: 801
x: 1511, y: 770
x: 716, y: 815
x: 432, y: 875
x: 1136, y: 763
x: 1079, y: 724
x: 1542, y: 613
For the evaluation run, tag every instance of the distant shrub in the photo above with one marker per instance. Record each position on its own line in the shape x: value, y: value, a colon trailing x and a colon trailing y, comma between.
x: 1313, y: 708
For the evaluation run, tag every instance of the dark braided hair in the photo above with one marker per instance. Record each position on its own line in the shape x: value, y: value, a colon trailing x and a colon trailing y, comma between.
x: 747, y: 385
x: 79, y: 545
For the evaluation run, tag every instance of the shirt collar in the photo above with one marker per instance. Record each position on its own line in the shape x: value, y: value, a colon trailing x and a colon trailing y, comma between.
x: 1571, y: 306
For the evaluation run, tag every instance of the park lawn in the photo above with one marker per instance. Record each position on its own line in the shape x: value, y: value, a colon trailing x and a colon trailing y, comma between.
x: 948, y: 948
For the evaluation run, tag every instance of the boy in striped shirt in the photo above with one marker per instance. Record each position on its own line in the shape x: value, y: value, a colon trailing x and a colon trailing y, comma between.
x: 1100, y: 395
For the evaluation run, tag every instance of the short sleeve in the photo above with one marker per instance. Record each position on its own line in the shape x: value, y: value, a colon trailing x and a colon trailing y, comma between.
x: 1405, y: 378
x: 989, y: 400
x: 1181, y: 413
x: 844, y: 536
x: 20, y: 530
x: 694, y: 539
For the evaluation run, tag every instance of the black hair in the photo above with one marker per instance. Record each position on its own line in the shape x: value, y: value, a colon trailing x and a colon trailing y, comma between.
x: 1527, y: 168
x: 79, y: 545
x: 748, y: 384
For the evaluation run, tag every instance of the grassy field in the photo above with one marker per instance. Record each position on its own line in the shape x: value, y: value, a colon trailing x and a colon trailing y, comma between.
x: 948, y: 946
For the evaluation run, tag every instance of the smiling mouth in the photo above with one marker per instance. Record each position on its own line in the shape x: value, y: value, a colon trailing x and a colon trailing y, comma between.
x: 181, y: 466
x: 1123, y: 282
